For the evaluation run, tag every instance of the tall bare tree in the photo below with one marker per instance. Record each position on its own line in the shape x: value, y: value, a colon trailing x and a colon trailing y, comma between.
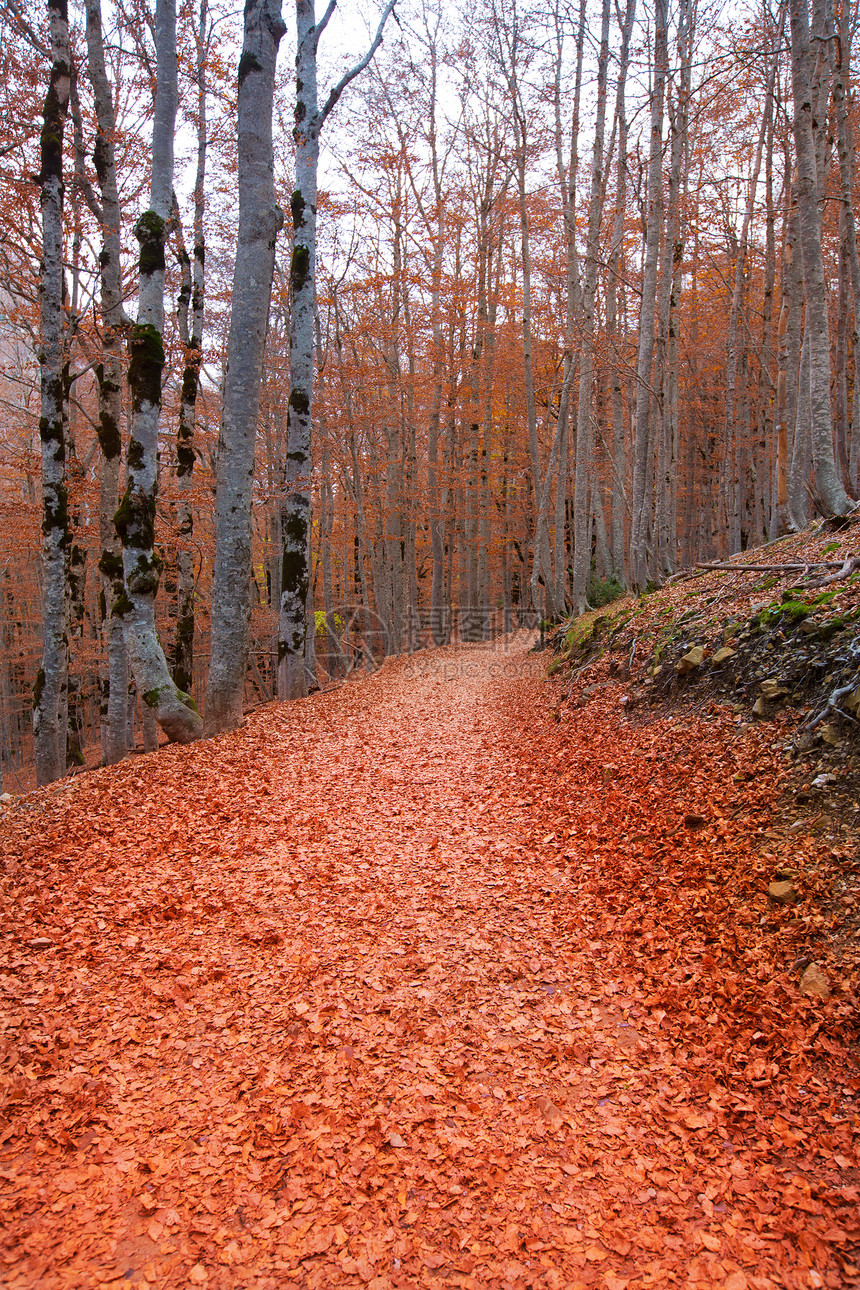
x: 260, y: 221
x: 174, y: 710
x: 810, y: 195
x: 296, y: 513
x: 48, y: 728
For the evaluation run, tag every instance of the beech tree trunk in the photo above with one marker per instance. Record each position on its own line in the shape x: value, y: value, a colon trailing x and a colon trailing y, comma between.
x: 584, y: 432
x: 615, y: 298
x: 845, y: 143
x: 190, y: 311
x: 174, y: 710
x: 640, y: 569
x: 260, y: 220
x: 732, y: 440
x: 296, y: 510
x: 48, y: 730
x: 831, y: 492
x: 114, y: 689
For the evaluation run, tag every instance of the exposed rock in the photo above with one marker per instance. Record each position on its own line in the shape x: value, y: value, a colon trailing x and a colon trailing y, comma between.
x: 723, y: 654
x: 691, y: 660
x: 782, y: 893
x: 771, y: 689
x: 760, y: 707
x: 830, y: 735
x: 815, y: 982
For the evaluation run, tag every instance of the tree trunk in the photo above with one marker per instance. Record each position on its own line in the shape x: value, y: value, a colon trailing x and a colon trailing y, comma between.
x: 640, y: 570
x: 614, y: 298
x: 260, y: 220
x: 50, y: 738
x: 174, y: 710
x: 831, y: 493
x: 584, y: 432
x: 845, y: 142
x: 191, y: 306
x: 296, y: 511
x: 114, y: 702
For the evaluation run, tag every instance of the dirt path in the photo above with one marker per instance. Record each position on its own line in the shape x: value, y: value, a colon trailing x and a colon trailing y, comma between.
x: 373, y: 993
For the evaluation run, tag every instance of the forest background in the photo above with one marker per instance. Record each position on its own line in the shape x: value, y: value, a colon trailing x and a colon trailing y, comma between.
x: 573, y: 306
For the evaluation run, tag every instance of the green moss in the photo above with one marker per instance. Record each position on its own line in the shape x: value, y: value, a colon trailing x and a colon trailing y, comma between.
x: 38, y: 687
x: 299, y: 403
x: 146, y: 351
x: 110, y: 439
x: 55, y: 513
x: 144, y: 577
x: 150, y: 698
x: 183, y: 647
x: 150, y: 232
x: 54, y: 115
x: 121, y: 606
x: 581, y: 630
x: 135, y: 455
x: 300, y: 266
x: 297, y: 208
x: 191, y: 380
x: 51, y: 428
x: 189, y: 702
x: 135, y: 519
x: 785, y: 612
x: 248, y: 63
x: 110, y: 564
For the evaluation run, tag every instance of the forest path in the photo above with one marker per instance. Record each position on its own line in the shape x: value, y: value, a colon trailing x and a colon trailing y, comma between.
x: 370, y: 993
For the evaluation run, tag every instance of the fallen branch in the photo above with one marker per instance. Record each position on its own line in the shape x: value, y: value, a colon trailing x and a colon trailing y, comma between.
x: 851, y: 565
x: 812, y: 723
x: 775, y: 568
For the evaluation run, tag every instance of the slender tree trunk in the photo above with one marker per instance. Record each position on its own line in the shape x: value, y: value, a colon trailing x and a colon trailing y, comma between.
x: 191, y: 306
x: 798, y: 475
x: 296, y: 512
x: 640, y: 569
x: 260, y: 220
x: 732, y: 445
x: 135, y: 519
x: 828, y: 485
x: 50, y: 738
x: 614, y: 295
x: 584, y: 432
x: 845, y: 143
x: 109, y: 375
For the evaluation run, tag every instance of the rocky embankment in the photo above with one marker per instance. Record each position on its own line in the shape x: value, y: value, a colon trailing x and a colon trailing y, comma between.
x: 770, y: 639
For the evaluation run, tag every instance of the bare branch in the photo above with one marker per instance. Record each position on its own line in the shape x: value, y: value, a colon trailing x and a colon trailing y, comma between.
x: 359, y: 67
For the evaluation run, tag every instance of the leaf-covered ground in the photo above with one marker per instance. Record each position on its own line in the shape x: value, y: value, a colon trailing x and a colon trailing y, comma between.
x: 412, y: 984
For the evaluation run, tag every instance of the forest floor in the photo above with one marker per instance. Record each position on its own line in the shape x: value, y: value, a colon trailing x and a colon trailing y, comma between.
x: 436, y: 979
